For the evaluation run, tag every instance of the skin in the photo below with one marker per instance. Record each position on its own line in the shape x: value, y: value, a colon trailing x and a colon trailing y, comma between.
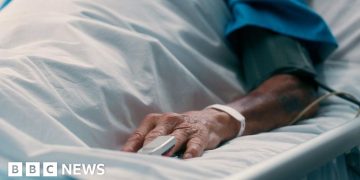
x: 273, y: 104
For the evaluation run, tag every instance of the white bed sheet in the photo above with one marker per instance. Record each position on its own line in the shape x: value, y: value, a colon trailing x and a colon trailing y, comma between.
x: 77, y: 77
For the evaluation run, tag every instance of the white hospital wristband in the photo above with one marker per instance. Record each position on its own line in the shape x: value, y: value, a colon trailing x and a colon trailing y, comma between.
x: 233, y: 113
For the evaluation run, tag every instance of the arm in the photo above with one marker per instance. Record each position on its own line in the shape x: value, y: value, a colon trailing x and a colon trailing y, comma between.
x: 273, y: 104
x: 280, y: 95
x: 277, y: 96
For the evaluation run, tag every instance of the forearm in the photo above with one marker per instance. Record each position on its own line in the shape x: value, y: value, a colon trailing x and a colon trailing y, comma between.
x: 280, y: 73
x: 275, y: 103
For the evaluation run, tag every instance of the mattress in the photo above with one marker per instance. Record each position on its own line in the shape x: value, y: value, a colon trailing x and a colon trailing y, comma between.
x: 78, y: 76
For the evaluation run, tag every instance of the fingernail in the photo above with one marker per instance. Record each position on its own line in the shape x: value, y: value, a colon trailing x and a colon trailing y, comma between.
x: 187, y: 156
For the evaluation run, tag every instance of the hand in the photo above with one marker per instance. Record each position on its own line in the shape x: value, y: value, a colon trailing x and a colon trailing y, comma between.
x: 195, y: 131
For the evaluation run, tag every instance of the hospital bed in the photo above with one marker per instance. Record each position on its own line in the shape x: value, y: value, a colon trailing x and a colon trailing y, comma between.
x: 78, y: 76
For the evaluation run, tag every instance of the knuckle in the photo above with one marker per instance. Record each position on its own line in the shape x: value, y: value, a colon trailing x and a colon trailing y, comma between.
x: 149, y: 139
x: 194, y: 150
x: 137, y: 135
x: 172, y: 116
x: 158, y: 131
x: 201, y: 131
x: 196, y: 145
x: 151, y: 116
x: 192, y: 131
x: 170, y: 124
x: 152, y: 136
x: 180, y: 137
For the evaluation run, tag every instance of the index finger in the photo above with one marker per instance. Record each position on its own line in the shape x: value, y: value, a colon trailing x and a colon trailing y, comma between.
x: 136, y: 140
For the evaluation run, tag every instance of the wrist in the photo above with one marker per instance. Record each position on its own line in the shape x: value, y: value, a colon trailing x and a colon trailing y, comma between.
x: 223, y: 124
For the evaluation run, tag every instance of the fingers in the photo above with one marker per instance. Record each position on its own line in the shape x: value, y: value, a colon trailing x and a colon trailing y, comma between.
x: 181, y: 137
x: 188, y: 130
x: 164, y: 126
x: 195, y: 147
x: 135, y: 141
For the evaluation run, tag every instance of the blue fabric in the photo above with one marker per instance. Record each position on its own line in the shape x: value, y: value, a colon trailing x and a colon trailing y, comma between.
x: 289, y: 17
x: 4, y: 3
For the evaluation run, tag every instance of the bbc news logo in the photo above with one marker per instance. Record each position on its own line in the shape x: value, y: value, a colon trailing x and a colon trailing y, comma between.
x: 50, y: 169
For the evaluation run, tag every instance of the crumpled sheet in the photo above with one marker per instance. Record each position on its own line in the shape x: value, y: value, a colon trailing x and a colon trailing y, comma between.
x: 78, y: 76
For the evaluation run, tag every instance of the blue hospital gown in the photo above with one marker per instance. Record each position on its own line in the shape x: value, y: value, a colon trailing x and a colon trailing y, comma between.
x: 3, y: 3
x: 293, y: 18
